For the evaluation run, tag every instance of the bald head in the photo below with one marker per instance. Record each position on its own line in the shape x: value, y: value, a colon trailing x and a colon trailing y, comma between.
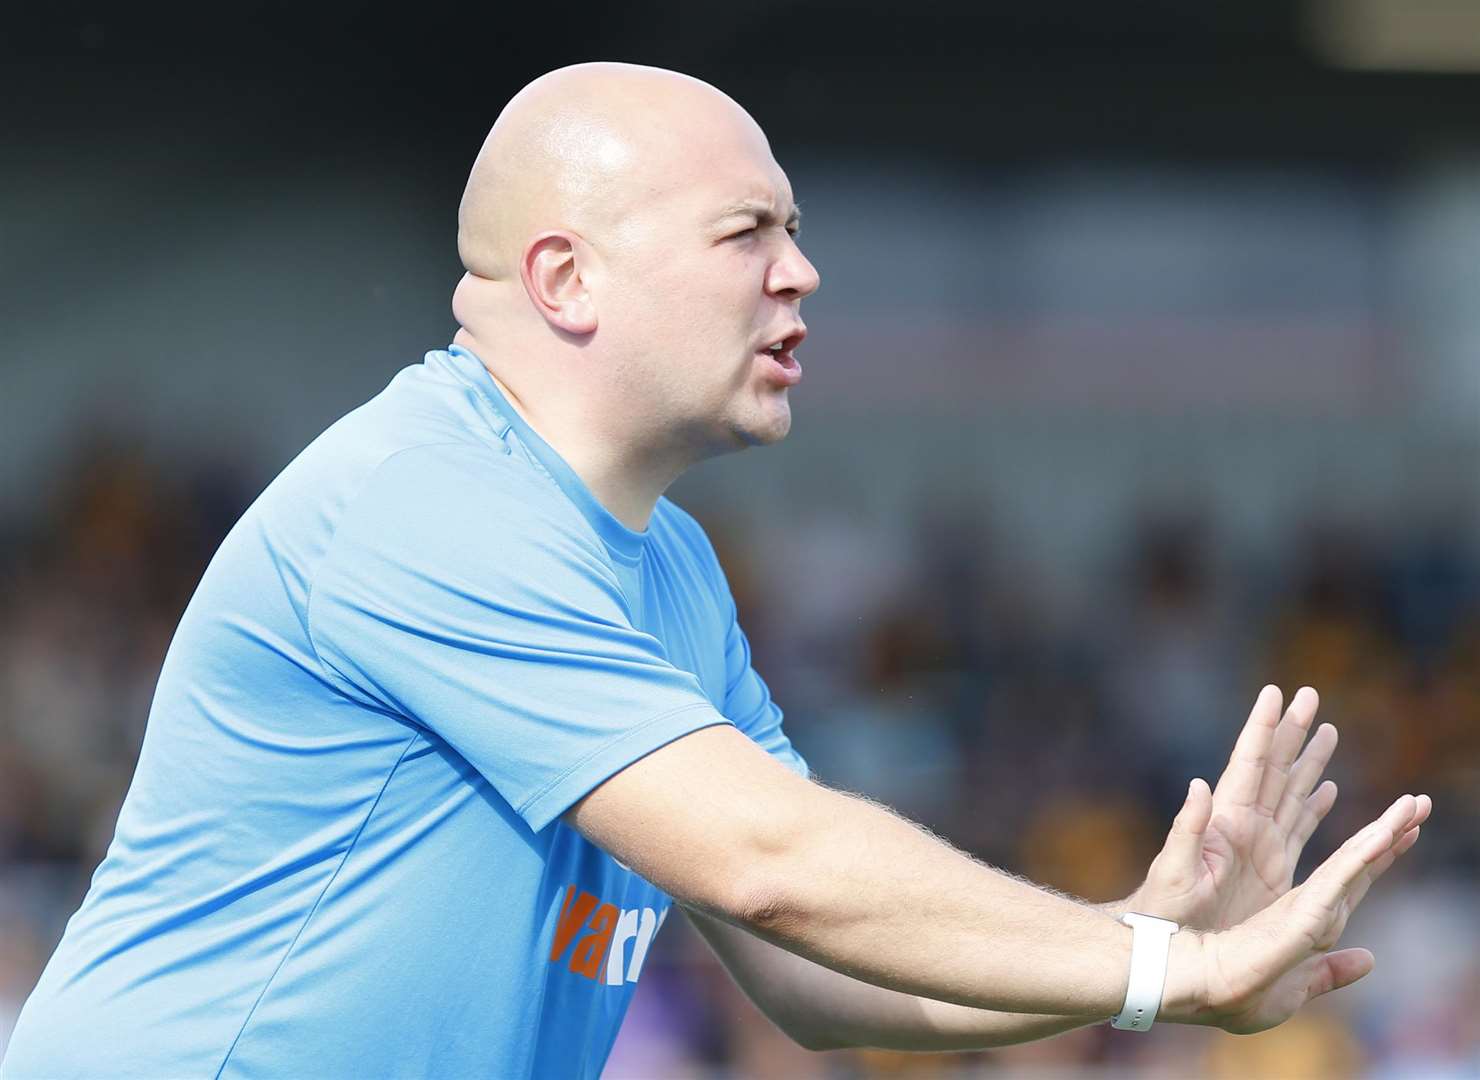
x: 580, y: 148
x: 633, y: 277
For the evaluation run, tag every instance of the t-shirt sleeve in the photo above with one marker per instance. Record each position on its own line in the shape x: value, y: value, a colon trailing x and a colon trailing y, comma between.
x: 464, y: 594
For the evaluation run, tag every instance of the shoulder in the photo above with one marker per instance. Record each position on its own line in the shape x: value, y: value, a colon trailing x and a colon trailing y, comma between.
x: 470, y: 505
x: 469, y: 479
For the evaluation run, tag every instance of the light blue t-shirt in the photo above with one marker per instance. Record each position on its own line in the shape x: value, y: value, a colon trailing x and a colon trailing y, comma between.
x: 341, y: 854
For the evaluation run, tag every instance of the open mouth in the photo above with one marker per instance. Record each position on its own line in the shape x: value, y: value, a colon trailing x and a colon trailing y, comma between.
x: 783, y: 359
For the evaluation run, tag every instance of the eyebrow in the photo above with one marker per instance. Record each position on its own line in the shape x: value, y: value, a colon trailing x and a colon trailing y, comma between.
x: 761, y: 211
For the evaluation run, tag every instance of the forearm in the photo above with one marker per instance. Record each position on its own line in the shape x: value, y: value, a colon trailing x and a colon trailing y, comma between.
x: 823, y: 1009
x: 714, y: 822
x: 864, y: 892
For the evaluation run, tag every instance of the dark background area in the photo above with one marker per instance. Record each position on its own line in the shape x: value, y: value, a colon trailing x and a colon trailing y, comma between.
x: 983, y: 84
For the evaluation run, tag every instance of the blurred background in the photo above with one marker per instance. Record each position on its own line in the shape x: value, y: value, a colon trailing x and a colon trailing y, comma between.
x: 1145, y: 370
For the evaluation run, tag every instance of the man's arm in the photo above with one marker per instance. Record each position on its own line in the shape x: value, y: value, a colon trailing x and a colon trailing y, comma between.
x: 715, y: 822
x: 820, y: 1009
x: 721, y: 827
x: 1213, y: 866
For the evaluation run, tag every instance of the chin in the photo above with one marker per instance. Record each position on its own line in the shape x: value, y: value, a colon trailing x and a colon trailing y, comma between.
x: 767, y: 430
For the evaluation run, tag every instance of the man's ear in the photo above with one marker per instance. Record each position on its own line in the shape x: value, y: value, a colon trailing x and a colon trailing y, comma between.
x: 551, y: 272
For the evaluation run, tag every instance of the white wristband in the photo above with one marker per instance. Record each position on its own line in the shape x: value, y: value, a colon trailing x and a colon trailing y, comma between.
x: 1151, y: 941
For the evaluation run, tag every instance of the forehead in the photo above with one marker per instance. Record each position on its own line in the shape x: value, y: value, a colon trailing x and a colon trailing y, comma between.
x: 727, y: 166
x: 702, y: 167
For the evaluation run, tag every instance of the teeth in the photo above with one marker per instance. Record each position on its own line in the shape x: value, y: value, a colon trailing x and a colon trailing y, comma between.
x: 777, y: 347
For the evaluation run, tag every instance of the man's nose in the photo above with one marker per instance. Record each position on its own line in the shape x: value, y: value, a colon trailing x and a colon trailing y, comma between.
x: 793, y: 276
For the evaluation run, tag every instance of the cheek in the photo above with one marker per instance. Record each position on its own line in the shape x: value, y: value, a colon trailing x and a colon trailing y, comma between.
x: 690, y: 320
x: 709, y: 311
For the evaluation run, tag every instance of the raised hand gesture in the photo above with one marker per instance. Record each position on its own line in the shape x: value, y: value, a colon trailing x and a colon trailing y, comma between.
x: 1260, y: 973
x: 1232, y: 850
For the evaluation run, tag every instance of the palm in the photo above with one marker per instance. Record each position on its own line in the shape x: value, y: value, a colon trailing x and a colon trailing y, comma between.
x: 1250, y: 861
x: 1232, y: 851
x: 1272, y: 1005
x: 1261, y: 973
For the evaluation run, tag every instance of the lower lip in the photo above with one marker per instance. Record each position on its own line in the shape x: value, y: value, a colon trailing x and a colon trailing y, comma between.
x: 781, y: 367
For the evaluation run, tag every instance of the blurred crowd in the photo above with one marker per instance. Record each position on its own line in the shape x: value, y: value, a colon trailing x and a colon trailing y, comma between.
x: 923, y: 668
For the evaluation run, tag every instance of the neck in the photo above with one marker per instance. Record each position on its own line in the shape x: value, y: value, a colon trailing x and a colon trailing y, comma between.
x: 627, y: 481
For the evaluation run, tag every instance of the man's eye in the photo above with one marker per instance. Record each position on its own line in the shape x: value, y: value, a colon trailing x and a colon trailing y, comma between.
x: 742, y: 232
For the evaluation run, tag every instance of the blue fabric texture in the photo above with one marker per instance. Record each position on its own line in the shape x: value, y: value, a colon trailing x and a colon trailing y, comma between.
x: 342, y: 853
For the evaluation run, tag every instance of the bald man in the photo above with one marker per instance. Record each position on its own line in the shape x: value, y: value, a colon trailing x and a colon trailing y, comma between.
x: 461, y: 706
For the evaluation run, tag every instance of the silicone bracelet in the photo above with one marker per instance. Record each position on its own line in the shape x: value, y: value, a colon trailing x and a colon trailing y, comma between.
x: 1151, y: 941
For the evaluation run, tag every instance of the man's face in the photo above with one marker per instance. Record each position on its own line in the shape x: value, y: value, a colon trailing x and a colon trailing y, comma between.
x: 704, y: 277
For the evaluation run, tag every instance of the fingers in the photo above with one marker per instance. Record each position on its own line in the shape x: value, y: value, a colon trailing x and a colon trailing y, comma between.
x: 1288, y: 738
x: 1312, y: 917
x: 1241, y: 780
x: 1305, y: 774
x: 1423, y: 805
x: 1185, y: 841
x: 1425, y: 808
x: 1354, y: 862
x: 1383, y: 833
x: 1362, y: 884
x: 1338, y: 969
x: 1312, y: 812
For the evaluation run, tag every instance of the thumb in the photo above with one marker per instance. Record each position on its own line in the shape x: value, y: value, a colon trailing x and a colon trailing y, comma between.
x: 1185, y: 841
x: 1338, y: 969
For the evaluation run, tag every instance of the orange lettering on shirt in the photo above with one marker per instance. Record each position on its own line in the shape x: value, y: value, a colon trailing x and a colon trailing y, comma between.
x: 573, y: 915
x: 590, y: 951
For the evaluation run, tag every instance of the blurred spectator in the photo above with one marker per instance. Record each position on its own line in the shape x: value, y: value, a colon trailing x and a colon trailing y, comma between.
x: 1176, y: 660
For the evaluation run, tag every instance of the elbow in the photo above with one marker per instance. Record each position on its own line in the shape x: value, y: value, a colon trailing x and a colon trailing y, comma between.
x: 763, y: 883
x: 765, y: 900
x: 769, y: 907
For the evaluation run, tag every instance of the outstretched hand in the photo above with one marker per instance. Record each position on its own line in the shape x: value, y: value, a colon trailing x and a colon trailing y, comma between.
x: 1232, y: 850
x: 1261, y: 972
